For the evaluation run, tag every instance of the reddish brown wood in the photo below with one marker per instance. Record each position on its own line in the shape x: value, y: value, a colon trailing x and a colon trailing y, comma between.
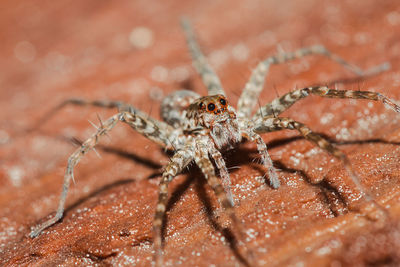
x: 54, y: 50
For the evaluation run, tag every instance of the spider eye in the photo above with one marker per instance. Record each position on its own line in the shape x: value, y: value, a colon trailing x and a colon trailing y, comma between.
x: 201, y: 105
x: 211, y: 107
x: 222, y: 101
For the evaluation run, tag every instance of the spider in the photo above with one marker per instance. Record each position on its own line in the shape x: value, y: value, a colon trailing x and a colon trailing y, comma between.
x: 198, y: 128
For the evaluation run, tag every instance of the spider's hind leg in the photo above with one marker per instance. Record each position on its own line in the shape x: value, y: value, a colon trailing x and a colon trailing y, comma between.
x: 270, y: 124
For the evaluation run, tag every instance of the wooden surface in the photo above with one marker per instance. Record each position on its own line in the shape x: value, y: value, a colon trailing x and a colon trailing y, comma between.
x: 135, y: 51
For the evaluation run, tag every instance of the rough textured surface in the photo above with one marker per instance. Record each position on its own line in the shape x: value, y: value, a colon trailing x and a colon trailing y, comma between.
x: 54, y: 50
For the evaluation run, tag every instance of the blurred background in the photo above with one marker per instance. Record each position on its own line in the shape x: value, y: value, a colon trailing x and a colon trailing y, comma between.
x: 135, y: 51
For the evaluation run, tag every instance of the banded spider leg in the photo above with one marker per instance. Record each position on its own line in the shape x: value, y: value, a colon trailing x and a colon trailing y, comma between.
x: 253, y: 88
x: 202, y: 160
x: 109, y: 104
x: 146, y: 126
x: 214, y: 87
x: 178, y: 162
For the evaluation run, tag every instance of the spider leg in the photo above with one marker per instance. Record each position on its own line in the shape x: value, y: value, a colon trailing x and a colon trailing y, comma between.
x: 223, y: 172
x: 280, y: 104
x: 78, y: 102
x: 208, y: 171
x: 200, y: 63
x: 254, y: 86
x: 178, y: 162
x: 265, y: 158
x: 121, y: 106
x: 98, y: 103
x: 270, y: 124
x: 138, y: 123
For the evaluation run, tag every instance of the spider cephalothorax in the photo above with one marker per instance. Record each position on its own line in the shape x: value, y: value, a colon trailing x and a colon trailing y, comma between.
x: 197, y: 128
x: 217, y: 118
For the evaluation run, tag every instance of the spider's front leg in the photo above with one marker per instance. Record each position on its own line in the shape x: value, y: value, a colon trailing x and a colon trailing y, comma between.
x: 265, y: 157
x: 254, y: 86
x: 140, y: 124
x: 120, y: 106
x: 202, y: 160
x: 223, y: 172
x: 280, y: 104
x: 270, y: 124
x: 178, y: 162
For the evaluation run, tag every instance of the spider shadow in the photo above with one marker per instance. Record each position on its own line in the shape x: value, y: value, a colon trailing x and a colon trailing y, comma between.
x: 239, y: 156
x: 226, y: 232
x: 91, y: 195
x: 97, y: 192
x: 242, y: 156
x: 120, y: 182
x: 195, y: 176
x: 284, y: 141
x: 328, y: 192
x: 349, y: 80
x: 356, y: 79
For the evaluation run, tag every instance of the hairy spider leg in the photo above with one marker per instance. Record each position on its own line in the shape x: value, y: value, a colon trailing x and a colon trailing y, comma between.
x: 254, y: 86
x: 223, y: 172
x: 265, y: 157
x: 121, y: 106
x: 207, y: 169
x: 210, y: 79
x: 270, y: 124
x: 77, y: 102
x: 178, y: 162
x: 140, y: 124
x: 280, y: 104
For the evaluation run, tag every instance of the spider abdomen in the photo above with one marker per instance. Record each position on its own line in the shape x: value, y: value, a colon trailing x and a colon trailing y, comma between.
x: 174, y: 106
